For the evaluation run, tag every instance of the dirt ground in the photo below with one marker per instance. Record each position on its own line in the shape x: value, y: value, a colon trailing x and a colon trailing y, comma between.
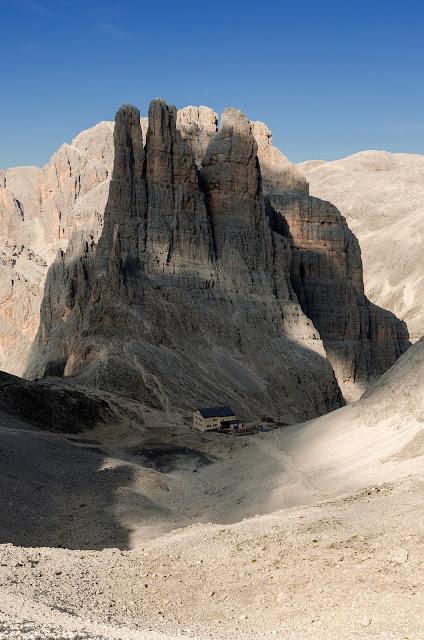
x: 347, y: 568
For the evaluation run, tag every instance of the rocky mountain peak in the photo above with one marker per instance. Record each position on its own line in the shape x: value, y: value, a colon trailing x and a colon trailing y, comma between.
x: 166, y: 306
x: 208, y: 276
x: 128, y: 144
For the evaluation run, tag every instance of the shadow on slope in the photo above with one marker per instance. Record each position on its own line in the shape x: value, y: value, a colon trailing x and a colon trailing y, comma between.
x: 142, y: 485
x: 52, y: 406
x: 57, y: 490
x: 375, y: 440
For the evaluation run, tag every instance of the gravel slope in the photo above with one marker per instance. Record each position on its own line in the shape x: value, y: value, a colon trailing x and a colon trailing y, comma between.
x: 338, y: 551
x: 348, y: 568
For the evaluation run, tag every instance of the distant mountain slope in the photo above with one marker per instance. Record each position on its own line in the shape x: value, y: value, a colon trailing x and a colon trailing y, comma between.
x: 39, y: 210
x: 381, y: 195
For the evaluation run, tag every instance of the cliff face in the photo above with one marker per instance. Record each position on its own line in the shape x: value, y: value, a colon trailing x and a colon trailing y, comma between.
x: 186, y: 298
x: 361, y: 340
x: 382, y: 196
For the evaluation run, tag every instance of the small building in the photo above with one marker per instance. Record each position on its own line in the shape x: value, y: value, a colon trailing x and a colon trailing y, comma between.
x: 213, y: 418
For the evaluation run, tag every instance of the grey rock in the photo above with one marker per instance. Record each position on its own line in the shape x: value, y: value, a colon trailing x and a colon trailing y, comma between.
x: 361, y: 340
x: 279, y: 175
x: 52, y: 406
x: 186, y: 297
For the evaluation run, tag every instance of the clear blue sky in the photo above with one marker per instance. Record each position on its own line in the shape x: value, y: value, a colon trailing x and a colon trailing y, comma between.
x: 329, y: 77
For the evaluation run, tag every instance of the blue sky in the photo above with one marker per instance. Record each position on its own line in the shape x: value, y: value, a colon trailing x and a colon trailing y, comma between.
x: 329, y: 77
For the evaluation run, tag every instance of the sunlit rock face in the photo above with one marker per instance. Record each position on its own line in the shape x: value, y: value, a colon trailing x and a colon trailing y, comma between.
x: 279, y: 175
x: 381, y: 194
x: 197, y: 125
x: 39, y: 211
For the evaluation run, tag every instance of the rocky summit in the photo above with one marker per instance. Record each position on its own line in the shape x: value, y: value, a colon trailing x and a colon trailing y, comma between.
x: 202, y: 273
x: 185, y: 298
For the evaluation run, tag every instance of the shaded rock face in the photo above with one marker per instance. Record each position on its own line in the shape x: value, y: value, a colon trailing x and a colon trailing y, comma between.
x: 361, y: 340
x: 186, y: 297
x: 49, y: 406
